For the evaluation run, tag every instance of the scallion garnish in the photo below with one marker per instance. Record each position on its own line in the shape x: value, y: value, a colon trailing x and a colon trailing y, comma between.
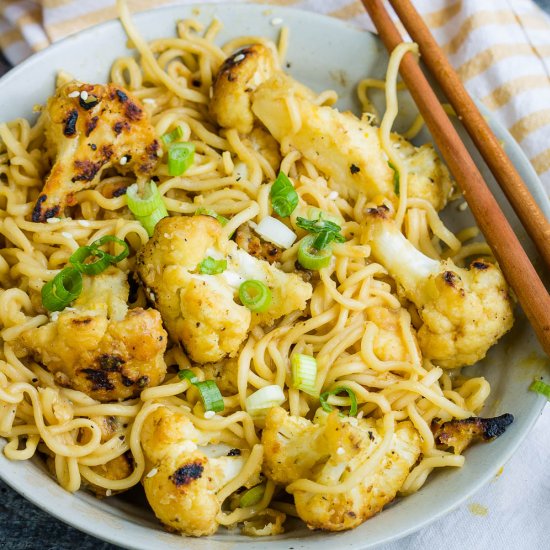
x: 395, y: 177
x: 323, y: 398
x: 209, y: 392
x: 304, y: 372
x: 181, y: 156
x: 149, y: 208
x: 329, y: 231
x: 255, y: 295
x: 174, y: 135
x: 263, y: 399
x: 284, y: 197
x: 65, y: 287
x: 209, y: 212
x: 541, y: 387
x: 252, y: 496
x: 311, y: 257
x: 210, y: 266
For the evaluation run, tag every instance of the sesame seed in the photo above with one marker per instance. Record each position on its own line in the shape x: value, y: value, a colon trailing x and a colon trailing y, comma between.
x: 149, y: 101
x: 54, y: 316
x: 84, y: 95
x: 276, y: 21
x: 123, y: 161
x: 76, y: 93
x: 66, y: 234
x: 333, y: 195
x: 340, y: 451
x: 360, y: 415
x: 108, y: 492
x: 53, y: 220
x: 160, y: 153
x: 239, y: 57
x: 209, y: 414
x: 153, y: 472
x: 211, y: 92
x: 463, y: 206
x: 84, y: 223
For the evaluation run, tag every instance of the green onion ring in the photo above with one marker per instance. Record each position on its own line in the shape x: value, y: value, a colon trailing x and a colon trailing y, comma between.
x: 65, y: 287
x: 323, y: 398
x: 255, y: 295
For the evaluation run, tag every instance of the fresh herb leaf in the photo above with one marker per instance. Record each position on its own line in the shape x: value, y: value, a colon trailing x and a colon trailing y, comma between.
x: 326, y: 230
x: 284, y: 198
x: 210, y: 266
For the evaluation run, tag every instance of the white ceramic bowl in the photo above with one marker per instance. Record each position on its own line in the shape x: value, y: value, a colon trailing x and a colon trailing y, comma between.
x: 324, y: 53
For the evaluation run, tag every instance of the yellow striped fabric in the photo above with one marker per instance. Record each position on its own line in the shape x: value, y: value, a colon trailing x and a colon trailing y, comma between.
x: 501, y: 49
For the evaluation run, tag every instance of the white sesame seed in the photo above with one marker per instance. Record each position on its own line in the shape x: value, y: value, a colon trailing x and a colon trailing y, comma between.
x: 211, y: 92
x: 76, y: 93
x: 84, y: 223
x: 360, y: 415
x: 276, y: 21
x: 239, y: 57
x: 123, y: 161
x: 149, y: 101
x: 84, y: 95
x: 159, y: 153
x: 209, y: 414
x: 108, y: 492
x: 66, y: 234
x: 463, y: 206
x: 333, y: 195
x: 153, y: 472
x: 340, y: 451
x: 53, y: 220
x: 54, y: 316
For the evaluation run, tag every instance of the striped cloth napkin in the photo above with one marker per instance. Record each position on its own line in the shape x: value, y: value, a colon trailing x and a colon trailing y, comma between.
x: 501, y: 49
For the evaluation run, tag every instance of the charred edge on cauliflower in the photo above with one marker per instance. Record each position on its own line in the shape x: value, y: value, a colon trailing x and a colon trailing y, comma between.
x: 459, y: 434
x: 186, y: 474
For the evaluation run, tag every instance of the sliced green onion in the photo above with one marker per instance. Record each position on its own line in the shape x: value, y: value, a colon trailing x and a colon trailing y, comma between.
x: 312, y: 258
x: 265, y: 398
x: 188, y: 374
x: 255, y: 295
x: 181, y: 156
x: 81, y: 256
x: 541, y: 387
x: 328, y: 231
x: 323, y: 398
x: 395, y: 177
x: 112, y: 239
x: 284, y: 197
x: 174, y: 135
x: 209, y: 212
x: 209, y: 392
x: 210, y: 266
x: 252, y: 496
x: 65, y: 287
x: 210, y: 395
x: 304, y: 372
x: 148, y: 209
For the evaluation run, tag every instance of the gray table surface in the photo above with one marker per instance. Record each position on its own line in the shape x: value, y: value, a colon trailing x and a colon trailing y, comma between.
x: 23, y: 526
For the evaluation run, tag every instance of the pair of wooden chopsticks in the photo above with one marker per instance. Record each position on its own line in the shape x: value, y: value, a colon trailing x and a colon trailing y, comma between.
x: 515, y: 264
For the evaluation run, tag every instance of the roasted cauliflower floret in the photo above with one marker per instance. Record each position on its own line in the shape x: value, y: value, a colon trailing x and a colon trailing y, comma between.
x: 238, y: 77
x: 346, y: 149
x: 329, y: 450
x: 99, y: 346
x: 464, y: 312
x: 200, y: 310
x: 459, y: 434
x: 428, y: 178
x: 89, y: 128
x: 182, y: 482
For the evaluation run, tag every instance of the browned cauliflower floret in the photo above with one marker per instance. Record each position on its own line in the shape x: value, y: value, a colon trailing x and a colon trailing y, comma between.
x: 428, y: 177
x: 89, y: 128
x: 183, y: 481
x: 328, y: 451
x: 200, y: 310
x: 99, y: 346
x: 464, y: 312
x: 238, y: 77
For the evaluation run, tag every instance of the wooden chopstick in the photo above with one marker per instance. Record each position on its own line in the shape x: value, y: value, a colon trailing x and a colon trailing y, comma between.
x: 514, y: 262
x: 497, y: 160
